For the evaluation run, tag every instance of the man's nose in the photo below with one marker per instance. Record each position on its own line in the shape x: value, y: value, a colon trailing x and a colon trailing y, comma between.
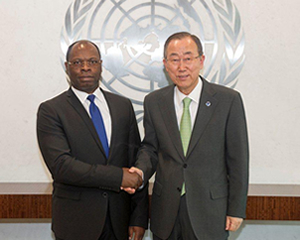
x: 182, y: 65
x: 85, y: 66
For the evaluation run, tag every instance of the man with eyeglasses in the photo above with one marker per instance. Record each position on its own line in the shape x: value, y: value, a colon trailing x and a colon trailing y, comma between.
x: 196, y: 142
x: 89, y: 138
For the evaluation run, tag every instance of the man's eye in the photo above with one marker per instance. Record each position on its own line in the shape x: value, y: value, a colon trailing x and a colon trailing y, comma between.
x: 77, y: 62
x: 93, y: 61
x: 188, y: 59
x: 175, y: 60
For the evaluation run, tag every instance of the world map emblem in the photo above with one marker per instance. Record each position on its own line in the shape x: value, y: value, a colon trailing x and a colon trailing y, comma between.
x: 131, y: 35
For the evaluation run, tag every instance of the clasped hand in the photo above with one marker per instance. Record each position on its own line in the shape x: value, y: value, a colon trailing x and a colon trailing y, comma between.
x: 132, y: 179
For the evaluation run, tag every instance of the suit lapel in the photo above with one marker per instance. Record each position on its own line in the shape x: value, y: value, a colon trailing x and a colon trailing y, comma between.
x: 167, y: 108
x: 76, y: 104
x: 207, y: 106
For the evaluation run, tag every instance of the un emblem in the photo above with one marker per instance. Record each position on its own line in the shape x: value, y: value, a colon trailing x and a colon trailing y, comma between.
x: 131, y: 34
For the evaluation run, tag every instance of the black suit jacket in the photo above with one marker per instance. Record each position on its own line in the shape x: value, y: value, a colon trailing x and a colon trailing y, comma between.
x: 86, y: 183
x: 215, y: 169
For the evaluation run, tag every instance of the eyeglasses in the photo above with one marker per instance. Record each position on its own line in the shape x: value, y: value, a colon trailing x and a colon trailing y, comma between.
x: 186, y: 60
x: 80, y: 63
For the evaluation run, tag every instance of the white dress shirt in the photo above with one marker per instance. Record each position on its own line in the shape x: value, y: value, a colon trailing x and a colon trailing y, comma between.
x: 178, y: 102
x: 101, y: 104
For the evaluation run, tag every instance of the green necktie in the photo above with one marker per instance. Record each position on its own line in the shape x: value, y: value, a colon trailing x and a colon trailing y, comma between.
x: 185, y: 129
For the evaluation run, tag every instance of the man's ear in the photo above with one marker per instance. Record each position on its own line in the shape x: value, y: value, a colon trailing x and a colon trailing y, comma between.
x: 66, y: 67
x: 165, y: 64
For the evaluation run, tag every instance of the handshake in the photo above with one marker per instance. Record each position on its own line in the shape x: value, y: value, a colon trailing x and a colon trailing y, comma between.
x: 132, y: 179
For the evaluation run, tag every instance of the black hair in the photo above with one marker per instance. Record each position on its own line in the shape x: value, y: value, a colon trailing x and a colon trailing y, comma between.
x: 181, y: 35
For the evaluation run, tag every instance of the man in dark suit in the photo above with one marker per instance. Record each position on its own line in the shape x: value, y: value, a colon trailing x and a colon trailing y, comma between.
x: 90, y: 166
x: 196, y: 142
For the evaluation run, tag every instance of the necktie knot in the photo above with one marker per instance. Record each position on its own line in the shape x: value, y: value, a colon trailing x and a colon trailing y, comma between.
x: 186, y: 102
x: 91, y: 97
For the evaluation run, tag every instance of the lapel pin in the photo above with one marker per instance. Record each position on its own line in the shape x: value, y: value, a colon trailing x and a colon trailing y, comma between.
x: 208, y: 103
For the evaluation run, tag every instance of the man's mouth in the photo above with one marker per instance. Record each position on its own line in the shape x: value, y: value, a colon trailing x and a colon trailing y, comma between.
x: 182, y: 76
x: 86, y: 77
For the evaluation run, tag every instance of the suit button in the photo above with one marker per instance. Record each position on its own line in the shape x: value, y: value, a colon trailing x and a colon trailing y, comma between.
x: 104, y: 195
x: 179, y: 189
x: 185, y: 165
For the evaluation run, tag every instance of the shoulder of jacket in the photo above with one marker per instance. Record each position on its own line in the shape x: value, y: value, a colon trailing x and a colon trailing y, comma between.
x: 57, y: 99
x: 115, y: 96
x: 160, y: 92
x: 221, y: 89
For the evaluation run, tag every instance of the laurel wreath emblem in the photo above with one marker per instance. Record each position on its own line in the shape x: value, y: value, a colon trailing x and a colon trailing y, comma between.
x: 74, y: 21
x: 234, y: 38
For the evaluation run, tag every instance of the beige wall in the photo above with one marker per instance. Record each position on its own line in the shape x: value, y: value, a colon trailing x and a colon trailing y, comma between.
x: 31, y: 72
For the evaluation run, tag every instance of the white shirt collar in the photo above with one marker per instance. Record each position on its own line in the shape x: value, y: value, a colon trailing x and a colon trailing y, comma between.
x: 82, y: 96
x: 194, y: 95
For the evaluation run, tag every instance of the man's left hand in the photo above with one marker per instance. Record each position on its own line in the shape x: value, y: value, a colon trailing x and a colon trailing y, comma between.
x: 138, y: 232
x: 233, y: 223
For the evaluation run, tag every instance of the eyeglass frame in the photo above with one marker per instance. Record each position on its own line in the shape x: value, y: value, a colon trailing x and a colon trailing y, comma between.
x: 82, y: 63
x: 184, y: 60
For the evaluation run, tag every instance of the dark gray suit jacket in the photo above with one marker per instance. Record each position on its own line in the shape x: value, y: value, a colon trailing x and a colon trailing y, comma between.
x: 215, y: 169
x: 86, y: 183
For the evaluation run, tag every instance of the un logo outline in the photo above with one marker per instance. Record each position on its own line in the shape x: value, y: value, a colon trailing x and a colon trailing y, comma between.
x: 122, y: 39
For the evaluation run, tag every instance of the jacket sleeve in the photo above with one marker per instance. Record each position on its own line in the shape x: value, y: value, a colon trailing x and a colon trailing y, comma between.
x: 140, y: 200
x: 237, y: 159
x: 64, y: 167
x: 148, y: 153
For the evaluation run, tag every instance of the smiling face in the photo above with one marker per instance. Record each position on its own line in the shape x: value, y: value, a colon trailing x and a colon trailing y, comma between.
x: 83, y: 75
x: 183, y: 63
